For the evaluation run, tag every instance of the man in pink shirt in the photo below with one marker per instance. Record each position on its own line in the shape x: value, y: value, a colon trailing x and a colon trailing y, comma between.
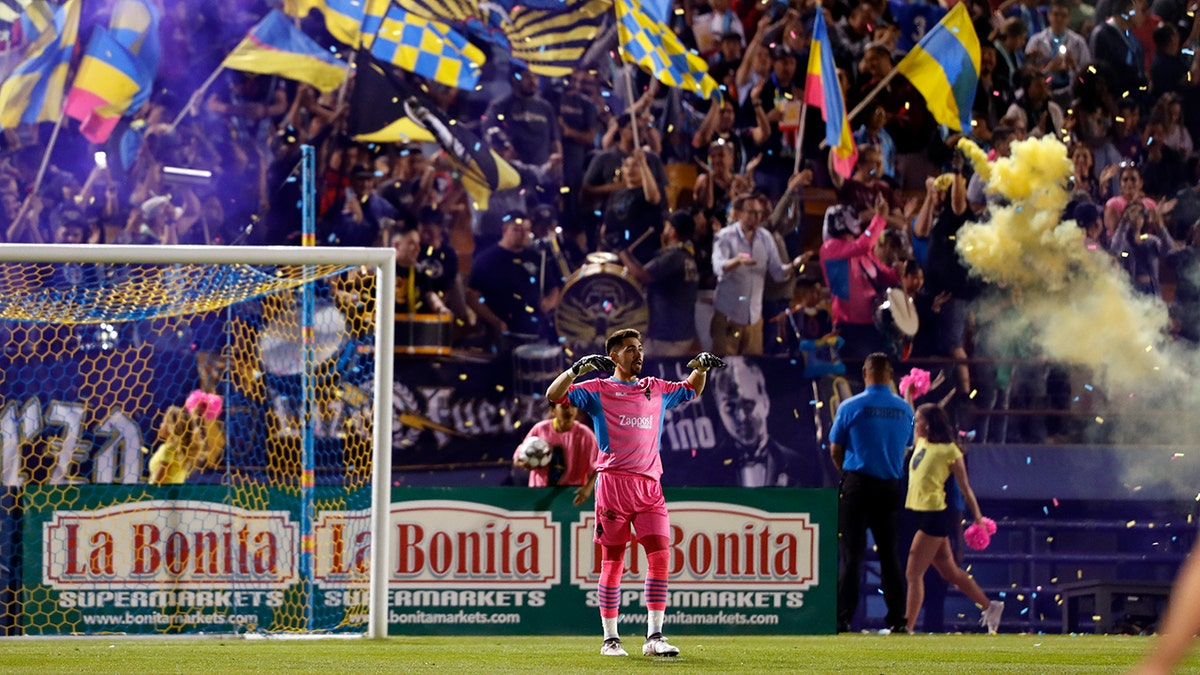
x: 855, y: 277
x: 575, y: 449
x: 627, y: 415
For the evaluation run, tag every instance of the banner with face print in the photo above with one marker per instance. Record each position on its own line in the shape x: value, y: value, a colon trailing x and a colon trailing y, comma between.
x: 759, y: 421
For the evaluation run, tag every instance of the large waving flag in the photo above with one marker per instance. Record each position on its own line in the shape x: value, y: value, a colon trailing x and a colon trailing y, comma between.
x: 386, y: 109
x: 276, y: 47
x: 377, y: 112
x: 657, y: 50
x: 134, y: 24
x: 821, y: 89
x: 37, y: 17
x: 422, y: 45
x: 549, y: 37
x: 428, y: 48
x: 34, y: 91
x: 553, y: 43
x: 108, y: 79
x: 11, y: 10
x: 343, y: 18
x: 944, y: 67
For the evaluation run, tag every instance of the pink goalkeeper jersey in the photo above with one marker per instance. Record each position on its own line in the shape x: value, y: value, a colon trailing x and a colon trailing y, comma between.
x: 628, y: 424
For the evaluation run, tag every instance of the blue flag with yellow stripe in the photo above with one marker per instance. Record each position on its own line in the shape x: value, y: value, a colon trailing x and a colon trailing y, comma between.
x: 276, y: 47
x: 944, y: 67
x: 134, y: 24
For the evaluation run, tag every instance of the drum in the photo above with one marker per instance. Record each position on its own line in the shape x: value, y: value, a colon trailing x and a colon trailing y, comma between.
x: 281, y: 347
x: 535, y: 367
x: 599, y: 298
x: 896, y: 316
x: 425, y: 334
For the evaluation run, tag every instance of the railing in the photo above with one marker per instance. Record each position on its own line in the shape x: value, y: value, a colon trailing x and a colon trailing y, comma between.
x: 1030, y: 558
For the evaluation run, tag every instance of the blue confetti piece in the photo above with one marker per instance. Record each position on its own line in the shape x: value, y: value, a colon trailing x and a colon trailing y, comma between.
x: 1028, y: 461
x: 1088, y: 387
x: 1024, y: 611
x: 1046, y: 510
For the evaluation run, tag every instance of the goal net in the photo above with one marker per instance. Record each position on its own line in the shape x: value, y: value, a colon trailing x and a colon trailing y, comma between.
x: 192, y: 438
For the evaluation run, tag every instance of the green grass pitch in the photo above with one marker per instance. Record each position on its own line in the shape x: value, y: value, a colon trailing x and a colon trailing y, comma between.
x: 892, y: 654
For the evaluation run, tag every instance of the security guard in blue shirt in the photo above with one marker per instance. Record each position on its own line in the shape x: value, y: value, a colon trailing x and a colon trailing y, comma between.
x: 870, y: 435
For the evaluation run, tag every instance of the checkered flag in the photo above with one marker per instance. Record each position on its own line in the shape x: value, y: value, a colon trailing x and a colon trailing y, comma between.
x: 657, y: 50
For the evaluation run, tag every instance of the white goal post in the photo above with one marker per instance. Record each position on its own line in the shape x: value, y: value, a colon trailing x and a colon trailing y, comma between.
x: 382, y: 259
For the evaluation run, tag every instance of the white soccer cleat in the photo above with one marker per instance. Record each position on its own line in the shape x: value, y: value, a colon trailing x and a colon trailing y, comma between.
x: 657, y: 645
x: 612, y: 647
x: 990, y: 618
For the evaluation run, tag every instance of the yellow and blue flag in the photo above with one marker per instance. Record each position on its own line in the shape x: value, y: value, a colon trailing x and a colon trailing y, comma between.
x: 426, y: 47
x: 134, y: 24
x: 108, y: 79
x: 549, y: 37
x: 377, y: 112
x: 418, y: 44
x: 276, y: 47
x: 553, y: 42
x: 36, y: 18
x: 944, y: 67
x: 343, y: 18
x: 11, y: 10
x: 34, y: 91
x: 821, y: 89
x: 384, y: 103
x: 657, y: 50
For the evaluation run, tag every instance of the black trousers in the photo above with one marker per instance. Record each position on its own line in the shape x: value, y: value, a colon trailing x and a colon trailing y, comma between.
x: 868, y: 502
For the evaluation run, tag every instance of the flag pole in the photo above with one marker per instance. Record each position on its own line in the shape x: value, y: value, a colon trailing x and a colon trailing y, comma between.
x: 800, y: 135
x: 196, y: 96
x: 41, y: 173
x: 633, y: 123
x: 346, y: 82
x: 874, y: 92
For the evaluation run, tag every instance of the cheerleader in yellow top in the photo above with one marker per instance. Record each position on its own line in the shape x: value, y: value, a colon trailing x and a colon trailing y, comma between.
x: 935, y: 456
x: 179, y: 448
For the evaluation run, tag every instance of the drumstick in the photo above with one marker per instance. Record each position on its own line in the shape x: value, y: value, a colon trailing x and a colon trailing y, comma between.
x: 640, y: 239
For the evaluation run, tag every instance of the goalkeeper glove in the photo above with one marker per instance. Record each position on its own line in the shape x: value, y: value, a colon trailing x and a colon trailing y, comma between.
x: 704, y: 361
x: 592, y: 362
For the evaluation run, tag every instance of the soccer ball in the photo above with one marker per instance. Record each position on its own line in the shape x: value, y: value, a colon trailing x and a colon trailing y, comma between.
x: 535, y: 452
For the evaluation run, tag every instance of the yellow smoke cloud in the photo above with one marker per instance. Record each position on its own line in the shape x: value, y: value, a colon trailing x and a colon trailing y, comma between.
x: 1074, y: 303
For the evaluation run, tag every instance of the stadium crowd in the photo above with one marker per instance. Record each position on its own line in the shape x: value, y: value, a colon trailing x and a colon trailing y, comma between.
x: 742, y: 247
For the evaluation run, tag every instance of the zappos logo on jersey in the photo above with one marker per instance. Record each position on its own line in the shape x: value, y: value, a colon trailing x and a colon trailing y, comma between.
x: 638, y: 421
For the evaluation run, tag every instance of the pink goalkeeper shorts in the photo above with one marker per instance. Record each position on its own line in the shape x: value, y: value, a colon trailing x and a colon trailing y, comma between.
x: 623, y: 499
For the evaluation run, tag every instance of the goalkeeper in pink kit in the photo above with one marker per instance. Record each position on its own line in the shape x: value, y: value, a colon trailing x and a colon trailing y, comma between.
x: 627, y: 414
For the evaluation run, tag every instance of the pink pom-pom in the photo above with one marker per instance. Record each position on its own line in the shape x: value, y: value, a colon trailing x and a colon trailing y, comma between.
x: 918, y: 380
x: 990, y: 525
x: 215, y: 403
x: 202, y: 403
x: 977, y: 537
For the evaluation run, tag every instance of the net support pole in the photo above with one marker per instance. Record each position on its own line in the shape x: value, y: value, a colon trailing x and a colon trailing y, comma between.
x: 381, y: 460
x: 308, y: 452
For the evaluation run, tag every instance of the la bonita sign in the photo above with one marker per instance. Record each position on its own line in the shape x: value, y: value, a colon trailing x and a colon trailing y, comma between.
x: 715, y: 545
x: 435, y: 544
x: 444, y: 544
x: 162, y: 544
x: 458, y: 544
